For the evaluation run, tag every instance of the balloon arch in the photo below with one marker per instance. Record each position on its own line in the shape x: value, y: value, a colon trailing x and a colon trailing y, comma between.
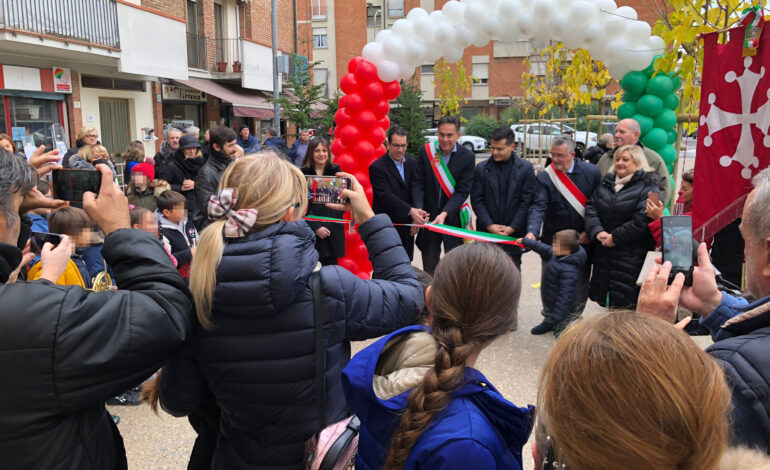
x: 422, y: 37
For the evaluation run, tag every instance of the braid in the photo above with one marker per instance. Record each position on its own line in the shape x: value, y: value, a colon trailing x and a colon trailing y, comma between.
x: 432, y: 395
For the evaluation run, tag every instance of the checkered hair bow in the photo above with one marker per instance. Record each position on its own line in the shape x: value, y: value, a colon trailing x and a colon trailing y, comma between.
x: 239, y: 222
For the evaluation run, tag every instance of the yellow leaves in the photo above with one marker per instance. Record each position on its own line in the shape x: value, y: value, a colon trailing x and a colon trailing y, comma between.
x: 453, y: 84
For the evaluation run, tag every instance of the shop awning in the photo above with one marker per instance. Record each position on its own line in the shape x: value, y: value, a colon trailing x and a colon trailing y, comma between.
x: 245, y: 103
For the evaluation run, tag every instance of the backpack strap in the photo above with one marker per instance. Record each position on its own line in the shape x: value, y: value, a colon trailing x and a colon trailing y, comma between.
x: 339, y: 446
x: 320, y: 350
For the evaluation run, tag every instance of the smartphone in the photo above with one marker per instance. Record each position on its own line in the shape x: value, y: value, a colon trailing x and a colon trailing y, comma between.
x: 57, y: 136
x: 39, y: 239
x: 69, y: 185
x: 654, y: 197
x: 327, y: 189
x: 678, y: 245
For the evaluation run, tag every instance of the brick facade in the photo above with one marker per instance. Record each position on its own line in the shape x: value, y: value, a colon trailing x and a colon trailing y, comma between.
x: 256, y: 24
x: 74, y: 115
x: 350, y: 30
x: 170, y: 7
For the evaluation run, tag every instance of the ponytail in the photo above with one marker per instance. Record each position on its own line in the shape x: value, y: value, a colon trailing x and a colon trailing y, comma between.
x: 203, y: 271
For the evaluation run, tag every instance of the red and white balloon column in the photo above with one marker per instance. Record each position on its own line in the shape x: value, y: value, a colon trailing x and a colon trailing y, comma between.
x: 362, y: 120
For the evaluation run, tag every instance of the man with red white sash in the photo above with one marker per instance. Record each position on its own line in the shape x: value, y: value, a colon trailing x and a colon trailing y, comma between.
x: 441, y: 188
x: 562, y: 191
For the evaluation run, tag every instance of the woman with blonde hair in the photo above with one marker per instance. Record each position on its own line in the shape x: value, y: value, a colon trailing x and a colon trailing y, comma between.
x: 251, y: 281
x: 87, y: 135
x: 629, y: 391
x: 91, y: 155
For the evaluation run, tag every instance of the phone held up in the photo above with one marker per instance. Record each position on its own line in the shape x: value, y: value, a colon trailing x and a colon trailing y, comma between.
x: 327, y: 189
x: 654, y: 197
x: 39, y: 239
x: 70, y: 185
x: 677, y: 244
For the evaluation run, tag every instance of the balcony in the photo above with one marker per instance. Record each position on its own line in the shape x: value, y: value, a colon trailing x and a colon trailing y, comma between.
x: 84, y: 22
x: 220, y: 55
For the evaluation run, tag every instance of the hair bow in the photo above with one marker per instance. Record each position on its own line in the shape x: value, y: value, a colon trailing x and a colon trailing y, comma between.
x: 239, y: 222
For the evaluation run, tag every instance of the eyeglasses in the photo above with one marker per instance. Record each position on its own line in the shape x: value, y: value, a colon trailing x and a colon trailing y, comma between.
x: 92, y: 136
x: 295, y: 205
x: 399, y: 146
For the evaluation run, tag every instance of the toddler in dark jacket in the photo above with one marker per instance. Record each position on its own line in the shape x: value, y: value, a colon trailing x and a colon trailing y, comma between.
x: 176, y: 231
x: 566, y: 262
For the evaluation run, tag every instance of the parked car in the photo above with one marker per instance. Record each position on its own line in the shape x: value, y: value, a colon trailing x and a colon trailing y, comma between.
x: 537, y: 136
x: 471, y: 142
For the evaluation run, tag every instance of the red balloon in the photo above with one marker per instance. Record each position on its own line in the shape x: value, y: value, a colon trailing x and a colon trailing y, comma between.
x: 366, y: 120
x: 343, y: 102
x: 391, y: 90
x: 366, y: 72
x: 338, y: 148
x: 372, y: 92
x: 365, y: 275
x: 349, y: 264
x: 353, y: 64
x: 362, y: 178
x: 362, y: 252
x: 363, y: 150
x: 346, y: 162
x: 342, y: 117
x: 376, y: 136
x: 348, y: 84
x: 349, y: 135
x: 384, y: 123
x: 354, y: 103
x: 380, y: 150
x: 380, y: 108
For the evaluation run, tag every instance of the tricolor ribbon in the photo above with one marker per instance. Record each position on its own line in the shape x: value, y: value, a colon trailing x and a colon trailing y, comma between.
x: 447, y: 182
x: 753, y: 19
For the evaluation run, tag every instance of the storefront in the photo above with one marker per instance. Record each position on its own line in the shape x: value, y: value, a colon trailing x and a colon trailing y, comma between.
x: 183, y: 106
x: 32, y: 103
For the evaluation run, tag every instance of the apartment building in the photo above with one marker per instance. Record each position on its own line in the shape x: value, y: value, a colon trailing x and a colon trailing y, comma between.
x: 126, y: 67
x: 339, y: 29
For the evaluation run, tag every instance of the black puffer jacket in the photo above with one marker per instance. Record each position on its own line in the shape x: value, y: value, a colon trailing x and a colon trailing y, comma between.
x: 66, y: 350
x: 621, y: 214
x: 259, y: 360
x: 175, y: 172
x: 207, y: 182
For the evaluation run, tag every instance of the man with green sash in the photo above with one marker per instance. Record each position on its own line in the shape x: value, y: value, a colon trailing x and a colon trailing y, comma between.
x: 441, y: 187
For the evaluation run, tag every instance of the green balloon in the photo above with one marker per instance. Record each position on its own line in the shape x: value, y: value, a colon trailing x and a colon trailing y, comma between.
x: 671, y: 101
x: 630, y: 97
x: 668, y: 154
x: 666, y: 119
x: 656, y: 139
x: 665, y: 209
x: 671, y: 133
x: 634, y: 82
x: 659, y: 85
x: 645, y: 122
x: 626, y: 110
x: 651, y: 68
x: 676, y: 80
x: 649, y: 105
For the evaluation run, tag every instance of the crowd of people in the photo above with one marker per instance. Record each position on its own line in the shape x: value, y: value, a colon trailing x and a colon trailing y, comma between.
x: 220, y: 311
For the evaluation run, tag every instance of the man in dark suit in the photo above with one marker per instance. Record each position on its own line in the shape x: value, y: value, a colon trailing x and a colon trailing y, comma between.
x: 392, y: 176
x: 428, y: 194
x: 503, y: 187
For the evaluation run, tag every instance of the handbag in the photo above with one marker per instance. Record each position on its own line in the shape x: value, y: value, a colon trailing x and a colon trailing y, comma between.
x: 335, y: 447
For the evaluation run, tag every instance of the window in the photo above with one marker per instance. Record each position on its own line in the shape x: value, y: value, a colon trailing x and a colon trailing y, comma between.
x: 395, y: 8
x: 90, y: 81
x: 537, y: 66
x: 320, y: 40
x: 36, y: 116
x: 321, y: 77
x: 373, y: 15
x: 481, y: 71
x: 318, y: 8
x: 426, y: 69
x: 219, y: 32
x: 192, y: 17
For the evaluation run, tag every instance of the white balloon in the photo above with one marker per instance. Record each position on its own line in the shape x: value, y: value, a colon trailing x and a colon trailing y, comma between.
x: 543, y: 9
x: 415, y: 52
x: 638, y: 32
x: 424, y: 29
x: 445, y: 33
x: 509, y: 34
x: 475, y: 14
x: 436, y: 15
x: 526, y: 25
x: 388, y: 70
x: 373, y: 52
x: 591, y: 35
x: 454, y: 12
x: 657, y: 44
x: 491, y: 5
x: 582, y: 12
x: 463, y: 36
x: 480, y: 38
x: 452, y: 54
x: 606, y: 8
x: 572, y: 41
x: 559, y: 26
x: 383, y: 35
x: 617, y: 50
x: 402, y: 28
x: 627, y: 13
x: 405, y: 70
x: 618, y: 71
x: 641, y: 56
x: 394, y: 48
x: 493, y: 27
x: 509, y: 10
x: 432, y: 53
x: 416, y: 14
x: 615, y: 27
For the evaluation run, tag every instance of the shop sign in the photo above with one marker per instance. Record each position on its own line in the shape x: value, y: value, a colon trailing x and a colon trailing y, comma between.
x: 62, y: 80
x: 182, y: 93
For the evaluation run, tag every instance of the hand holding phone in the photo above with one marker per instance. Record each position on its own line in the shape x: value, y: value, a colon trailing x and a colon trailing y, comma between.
x: 39, y: 239
x: 327, y: 189
x: 676, y: 235
x: 54, y: 259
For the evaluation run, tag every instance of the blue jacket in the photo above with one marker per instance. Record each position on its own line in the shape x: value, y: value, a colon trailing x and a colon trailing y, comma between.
x: 39, y: 224
x: 275, y: 142
x: 249, y: 146
x: 551, y: 211
x: 294, y: 153
x: 259, y: 359
x: 479, y: 428
x: 562, y: 276
x: 742, y: 334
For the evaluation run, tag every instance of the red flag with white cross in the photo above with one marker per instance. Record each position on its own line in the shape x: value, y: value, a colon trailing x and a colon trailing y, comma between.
x: 734, y: 131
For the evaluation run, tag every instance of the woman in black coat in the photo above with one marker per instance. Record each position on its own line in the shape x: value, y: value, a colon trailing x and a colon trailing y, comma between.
x: 180, y: 173
x: 329, y: 237
x: 617, y: 222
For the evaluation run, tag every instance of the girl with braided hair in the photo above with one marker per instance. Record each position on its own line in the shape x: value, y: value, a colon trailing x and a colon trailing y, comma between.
x: 420, y: 401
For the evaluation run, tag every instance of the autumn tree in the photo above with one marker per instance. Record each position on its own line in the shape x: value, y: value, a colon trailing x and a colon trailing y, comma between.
x: 453, y: 85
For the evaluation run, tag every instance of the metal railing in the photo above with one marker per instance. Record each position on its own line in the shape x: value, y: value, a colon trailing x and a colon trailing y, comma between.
x: 209, y: 54
x: 88, y: 21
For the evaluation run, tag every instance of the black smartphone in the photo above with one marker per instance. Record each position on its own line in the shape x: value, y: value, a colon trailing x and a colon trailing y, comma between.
x: 677, y: 245
x: 39, y: 239
x: 327, y: 189
x: 69, y: 185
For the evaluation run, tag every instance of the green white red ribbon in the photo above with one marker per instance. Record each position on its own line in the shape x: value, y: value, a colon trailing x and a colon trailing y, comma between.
x: 753, y: 19
x: 447, y: 182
